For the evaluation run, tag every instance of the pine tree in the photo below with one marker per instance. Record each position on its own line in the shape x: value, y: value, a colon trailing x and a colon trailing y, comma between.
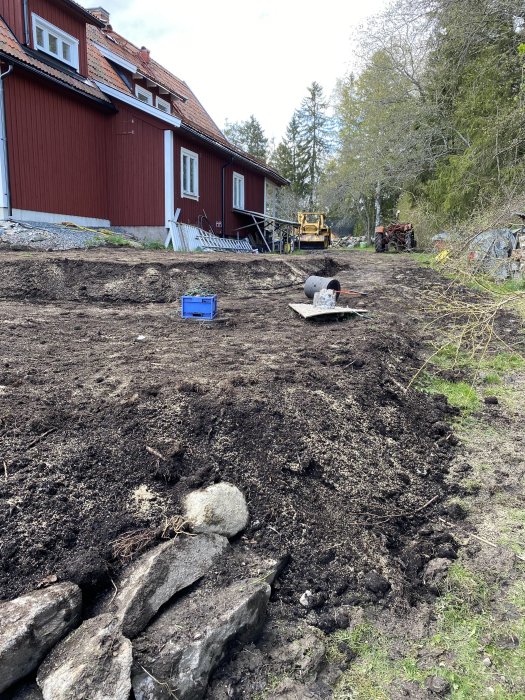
x: 249, y: 136
x: 287, y: 158
x: 315, y: 139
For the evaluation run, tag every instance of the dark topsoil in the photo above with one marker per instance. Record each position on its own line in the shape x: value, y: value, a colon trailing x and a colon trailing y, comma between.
x: 311, y: 420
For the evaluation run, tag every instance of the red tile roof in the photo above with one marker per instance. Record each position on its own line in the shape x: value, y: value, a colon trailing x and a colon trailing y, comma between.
x: 193, y: 115
x: 10, y: 48
x: 190, y: 111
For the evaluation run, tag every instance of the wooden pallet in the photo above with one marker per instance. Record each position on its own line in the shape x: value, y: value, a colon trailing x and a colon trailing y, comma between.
x: 311, y: 311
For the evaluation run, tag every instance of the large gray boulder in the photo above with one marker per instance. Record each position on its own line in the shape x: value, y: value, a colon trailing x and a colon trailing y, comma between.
x: 220, y: 508
x: 158, y: 575
x: 32, y: 624
x: 176, y: 654
x: 92, y: 663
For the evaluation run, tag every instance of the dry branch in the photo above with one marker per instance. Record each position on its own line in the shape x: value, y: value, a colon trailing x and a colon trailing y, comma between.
x: 129, y: 544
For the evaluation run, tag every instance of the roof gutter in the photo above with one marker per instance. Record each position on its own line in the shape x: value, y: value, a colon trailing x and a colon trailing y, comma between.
x: 231, y: 152
x: 129, y: 99
x: 5, y: 193
x: 84, y: 14
x: 56, y: 81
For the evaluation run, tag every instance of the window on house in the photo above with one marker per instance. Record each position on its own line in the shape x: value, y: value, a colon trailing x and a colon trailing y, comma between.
x: 144, y: 95
x: 189, y: 173
x: 163, y: 105
x: 55, y: 42
x: 238, y: 191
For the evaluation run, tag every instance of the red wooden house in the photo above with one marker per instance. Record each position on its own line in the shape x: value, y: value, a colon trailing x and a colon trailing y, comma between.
x: 94, y: 131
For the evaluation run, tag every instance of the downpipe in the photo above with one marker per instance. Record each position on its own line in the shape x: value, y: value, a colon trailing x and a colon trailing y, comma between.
x: 223, y: 202
x: 5, y: 194
x: 26, y: 23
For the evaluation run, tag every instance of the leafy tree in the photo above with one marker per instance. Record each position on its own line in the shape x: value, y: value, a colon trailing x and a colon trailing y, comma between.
x: 249, y: 136
x: 386, y: 141
x: 475, y: 74
x: 437, y: 111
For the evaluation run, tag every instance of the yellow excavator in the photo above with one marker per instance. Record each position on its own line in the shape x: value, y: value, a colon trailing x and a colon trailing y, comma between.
x: 313, y: 232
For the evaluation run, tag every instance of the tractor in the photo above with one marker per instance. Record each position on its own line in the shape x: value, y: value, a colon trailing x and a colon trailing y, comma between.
x: 313, y: 232
x: 397, y: 236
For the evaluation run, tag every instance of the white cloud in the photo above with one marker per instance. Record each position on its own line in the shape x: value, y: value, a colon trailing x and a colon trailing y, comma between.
x: 241, y: 57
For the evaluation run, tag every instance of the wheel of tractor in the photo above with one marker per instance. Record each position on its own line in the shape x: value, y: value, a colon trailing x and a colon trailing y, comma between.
x: 379, y: 243
x: 410, y: 241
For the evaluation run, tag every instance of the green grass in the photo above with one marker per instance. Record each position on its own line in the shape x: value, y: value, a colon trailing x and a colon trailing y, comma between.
x: 358, y: 249
x: 450, y: 356
x: 503, y: 362
x: 116, y: 240
x: 459, y: 394
x: 424, y: 258
x: 517, y: 515
x: 113, y: 239
x: 153, y: 245
x: 466, y: 632
x: 487, y: 371
x: 371, y: 674
x: 492, y: 379
x: 482, y: 283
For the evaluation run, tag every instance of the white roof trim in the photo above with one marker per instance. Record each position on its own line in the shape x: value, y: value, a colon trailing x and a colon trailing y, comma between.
x: 142, y: 106
x: 116, y: 58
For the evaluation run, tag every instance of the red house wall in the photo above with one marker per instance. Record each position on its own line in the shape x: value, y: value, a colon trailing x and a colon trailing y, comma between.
x: 12, y: 12
x: 210, y: 187
x: 67, y: 157
x: 57, y: 150
x: 62, y: 19
x: 135, y: 166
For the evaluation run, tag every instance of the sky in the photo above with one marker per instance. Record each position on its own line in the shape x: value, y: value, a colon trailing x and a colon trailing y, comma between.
x: 244, y: 57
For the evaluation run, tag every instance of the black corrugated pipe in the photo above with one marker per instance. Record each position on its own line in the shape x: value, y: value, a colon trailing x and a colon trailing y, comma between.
x: 223, y: 203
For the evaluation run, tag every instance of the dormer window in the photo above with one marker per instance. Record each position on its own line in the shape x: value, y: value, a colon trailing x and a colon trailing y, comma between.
x: 144, y: 95
x: 55, y: 42
x: 163, y: 105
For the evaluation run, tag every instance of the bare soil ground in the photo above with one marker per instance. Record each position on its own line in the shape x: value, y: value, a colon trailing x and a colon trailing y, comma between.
x: 341, y: 467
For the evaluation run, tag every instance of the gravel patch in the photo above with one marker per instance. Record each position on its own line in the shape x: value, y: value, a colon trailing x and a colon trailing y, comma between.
x: 36, y: 235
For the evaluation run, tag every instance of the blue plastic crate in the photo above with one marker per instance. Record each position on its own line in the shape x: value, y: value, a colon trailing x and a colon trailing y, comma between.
x: 199, y: 307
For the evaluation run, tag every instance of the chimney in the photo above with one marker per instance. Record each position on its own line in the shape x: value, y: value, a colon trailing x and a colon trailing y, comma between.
x: 144, y: 54
x: 100, y: 13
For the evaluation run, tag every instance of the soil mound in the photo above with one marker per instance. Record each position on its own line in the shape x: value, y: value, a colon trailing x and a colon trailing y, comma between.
x: 141, y: 277
x: 103, y: 434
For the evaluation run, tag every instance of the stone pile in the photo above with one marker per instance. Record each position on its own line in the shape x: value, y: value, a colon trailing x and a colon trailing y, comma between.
x: 128, y: 643
x: 349, y: 241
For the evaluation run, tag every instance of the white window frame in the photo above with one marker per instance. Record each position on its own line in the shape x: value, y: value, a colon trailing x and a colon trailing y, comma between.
x: 186, y: 159
x: 238, y: 191
x: 163, y: 105
x: 61, y: 37
x: 146, y: 93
